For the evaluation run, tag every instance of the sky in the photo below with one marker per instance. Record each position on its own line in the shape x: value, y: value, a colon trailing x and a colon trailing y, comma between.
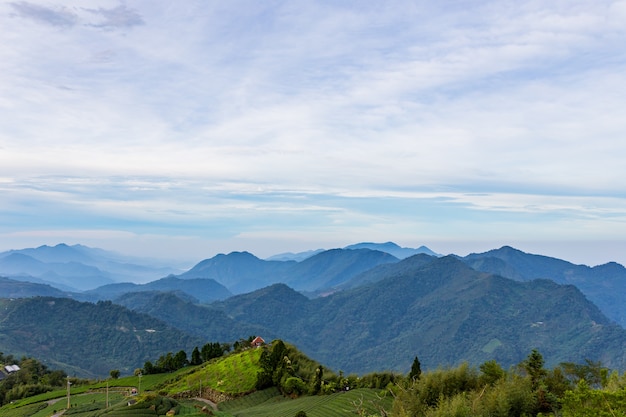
x: 180, y: 130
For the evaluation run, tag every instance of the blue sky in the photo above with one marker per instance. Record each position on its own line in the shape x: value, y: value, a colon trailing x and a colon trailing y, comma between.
x: 186, y: 129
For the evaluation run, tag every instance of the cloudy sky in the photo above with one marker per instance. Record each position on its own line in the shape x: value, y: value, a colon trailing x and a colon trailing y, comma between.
x: 186, y: 129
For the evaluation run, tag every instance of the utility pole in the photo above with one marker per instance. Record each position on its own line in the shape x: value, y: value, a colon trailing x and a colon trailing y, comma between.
x: 68, y: 392
x: 139, y: 386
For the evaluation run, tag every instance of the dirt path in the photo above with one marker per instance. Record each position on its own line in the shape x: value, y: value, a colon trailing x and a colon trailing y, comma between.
x: 209, y: 402
x: 54, y: 401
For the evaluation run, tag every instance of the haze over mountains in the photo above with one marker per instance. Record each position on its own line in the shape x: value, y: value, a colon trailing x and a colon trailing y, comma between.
x: 78, y: 267
x: 362, y: 308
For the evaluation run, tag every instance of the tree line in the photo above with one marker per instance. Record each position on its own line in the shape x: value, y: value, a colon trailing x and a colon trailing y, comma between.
x: 33, y: 378
x: 528, y: 389
x: 173, y: 361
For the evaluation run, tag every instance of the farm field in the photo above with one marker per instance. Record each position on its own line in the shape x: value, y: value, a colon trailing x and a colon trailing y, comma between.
x: 265, y: 404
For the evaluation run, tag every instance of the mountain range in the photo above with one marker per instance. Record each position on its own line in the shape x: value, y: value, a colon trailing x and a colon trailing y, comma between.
x: 357, y: 309
x: 78, y: 267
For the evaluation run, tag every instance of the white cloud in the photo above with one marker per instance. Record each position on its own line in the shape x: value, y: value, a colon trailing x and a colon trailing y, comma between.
x: 55, y: 16
x: 342, y: 104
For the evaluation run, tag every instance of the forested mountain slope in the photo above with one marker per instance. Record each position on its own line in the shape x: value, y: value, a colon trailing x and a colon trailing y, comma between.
x: 206, y: 322
x: 443, y: 311
x: 83, y: 338
x: 604, y: 285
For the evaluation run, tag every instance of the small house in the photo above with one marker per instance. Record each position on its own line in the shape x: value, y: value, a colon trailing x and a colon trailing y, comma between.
x: 11, y: 368
x: 258, y: 342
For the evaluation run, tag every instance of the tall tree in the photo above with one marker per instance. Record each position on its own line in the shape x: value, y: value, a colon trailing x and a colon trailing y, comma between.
x: 534, y: 366
x: 180, y: 359
x: 416, y: 369
x: 319, y: 374
x: 196, y: 359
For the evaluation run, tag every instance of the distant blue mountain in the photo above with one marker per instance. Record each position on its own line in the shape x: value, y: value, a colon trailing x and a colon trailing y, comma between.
x: 10, y: 288
x: 77, y: 267
x: 201, y: 290
x: 239, y: 271
x: 393, y: 249
x: 243, y: 272
x: 291, y: 256
x: 604, y: 285
x: 388, y: 247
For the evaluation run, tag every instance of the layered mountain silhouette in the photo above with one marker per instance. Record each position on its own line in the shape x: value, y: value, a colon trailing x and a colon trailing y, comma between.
x: 356, y: 309
x: 243, y: 272
x: 77, y: 267
x: 442, y: 311
x: 605, y: 285
x: 196, y: 289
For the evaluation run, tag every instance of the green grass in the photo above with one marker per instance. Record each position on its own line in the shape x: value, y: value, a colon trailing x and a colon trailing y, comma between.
x: 335, y: 405
x: 234, y: 374
x: 252, y: 400
x: 45, y: 408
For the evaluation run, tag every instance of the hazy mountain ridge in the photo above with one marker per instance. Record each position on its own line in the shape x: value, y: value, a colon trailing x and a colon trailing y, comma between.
x: 202, y: 290
x: 77, y: 267
x: 10, y: 288
x: 388, y: 247
x: 605, y: 285
x: 443, y: 311
x: 382, y: 310
x: 393, y: 249
x: 243, y: 272
x: 238, y: 271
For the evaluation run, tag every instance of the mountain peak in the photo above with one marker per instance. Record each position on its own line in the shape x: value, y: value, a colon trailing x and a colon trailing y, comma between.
x: 392, y: 249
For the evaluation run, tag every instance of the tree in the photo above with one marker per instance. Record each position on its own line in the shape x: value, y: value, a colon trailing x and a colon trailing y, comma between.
x: 196, y: 359
x: 212, y: 350
x: 416, y: 369
x: 534, y: 366
x: 180, y: 360
x: 317, y: 385
x: 148, y: 368
x: 592, y: 372
x: 491, y: 372
x: 115, y: 373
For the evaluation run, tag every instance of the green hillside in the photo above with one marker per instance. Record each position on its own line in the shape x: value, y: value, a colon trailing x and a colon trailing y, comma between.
x: 85, y: 339
x: 234, y: 375
x: 365, y: 400
x: 528, y: 389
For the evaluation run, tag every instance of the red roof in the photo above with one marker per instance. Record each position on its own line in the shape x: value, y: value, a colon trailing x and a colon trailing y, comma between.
x: 258, y: 341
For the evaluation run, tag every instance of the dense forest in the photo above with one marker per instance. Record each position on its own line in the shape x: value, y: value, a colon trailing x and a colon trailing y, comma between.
x: 32, y: 378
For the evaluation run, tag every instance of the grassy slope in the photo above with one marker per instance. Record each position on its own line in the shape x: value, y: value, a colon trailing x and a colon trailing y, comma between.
x: 340, y: 404
x: 233, y: 374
